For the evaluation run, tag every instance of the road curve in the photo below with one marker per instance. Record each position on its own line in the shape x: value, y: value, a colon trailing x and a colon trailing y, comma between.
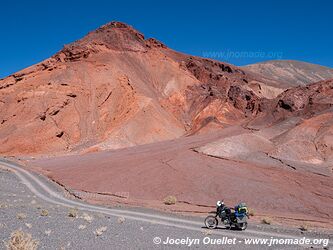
x: 46, y: 191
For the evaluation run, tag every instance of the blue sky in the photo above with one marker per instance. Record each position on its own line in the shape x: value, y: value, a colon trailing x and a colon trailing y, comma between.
x: 240, y: 32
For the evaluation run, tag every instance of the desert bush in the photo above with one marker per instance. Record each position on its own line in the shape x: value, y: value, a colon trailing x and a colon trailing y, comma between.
x: 44, y: 212
x: 251, y: 212
x: 266, y: 221
x: 304, y: 227
x: 207, y: 232
x: 121, y: 220
x: 87, y: 217
x: 3, y: 205
x: 21, y: 216
x: 21, y: 241
x: 100, y: 231
x: 170, y: 200
x: 73, y: 213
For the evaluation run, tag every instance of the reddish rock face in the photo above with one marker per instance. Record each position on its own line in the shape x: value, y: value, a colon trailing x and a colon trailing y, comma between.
x: 114, y: 88
x: 302, y: 101
x: 309, y: 99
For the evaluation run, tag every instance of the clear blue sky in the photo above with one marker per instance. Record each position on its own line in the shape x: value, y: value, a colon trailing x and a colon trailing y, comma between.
x: 241, y: 32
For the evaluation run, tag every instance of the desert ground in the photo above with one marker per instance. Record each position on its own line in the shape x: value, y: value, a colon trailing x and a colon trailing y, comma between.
x: 271, y: 188
x: 61, y: 225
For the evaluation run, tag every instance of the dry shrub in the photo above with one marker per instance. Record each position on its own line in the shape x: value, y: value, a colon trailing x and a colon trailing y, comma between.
x: 266, y: 221
x: 304, y: 227
x: 251, y: 212
x: 44, y: 212
x: 3, y: 205
x: 170, y: 200
x: 121, y: 220
x: 21, y: 241
x: 100, y: 231
x: 87, y: 217
x: 73, y: 213
x: 21, y: 216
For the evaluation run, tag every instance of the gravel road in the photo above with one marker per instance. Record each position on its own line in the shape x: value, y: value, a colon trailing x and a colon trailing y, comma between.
x: 38, y: 207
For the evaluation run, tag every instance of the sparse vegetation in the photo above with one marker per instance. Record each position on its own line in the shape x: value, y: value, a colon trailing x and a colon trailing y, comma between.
x: 304, y: 227
x: 21, y: 241
x: 207, y: 232
x: 87, y: 217
x: 170, y: 200
x: 100, y: 231
x: 21, y: 216
x: 44, y: 212
x: 73, y: 212
x: 121, y: 220
x: 3, y: 205
x: 266, y: 221
x: 251, y: 212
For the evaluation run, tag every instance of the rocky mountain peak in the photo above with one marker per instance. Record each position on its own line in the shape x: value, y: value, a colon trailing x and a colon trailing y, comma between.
x: 114, y: 36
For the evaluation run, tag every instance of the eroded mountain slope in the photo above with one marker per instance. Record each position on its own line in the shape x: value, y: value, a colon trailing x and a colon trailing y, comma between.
x: 114, y: 88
